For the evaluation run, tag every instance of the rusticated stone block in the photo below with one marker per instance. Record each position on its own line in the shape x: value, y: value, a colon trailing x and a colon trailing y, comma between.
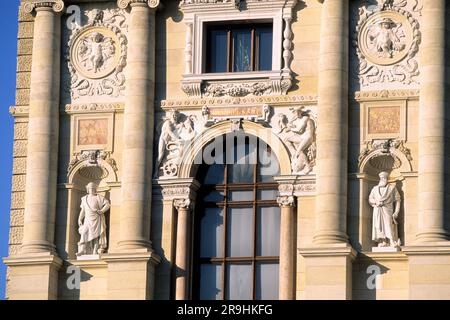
x: 18, y: 200
x: 24, y: 63
x: 19, y: 165
x: 26, y: 30
x: 17, y: 218
x: 18, y: 182
x: 25, y: 46
x: 23, y: 80
x: 22, y: 97
x: 15, y: 235
x: 20, y: 148
x: 20, y: 131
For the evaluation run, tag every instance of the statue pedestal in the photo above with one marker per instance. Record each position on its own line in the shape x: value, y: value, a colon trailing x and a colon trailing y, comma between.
x: 385, y: 249
x: 86, y: 257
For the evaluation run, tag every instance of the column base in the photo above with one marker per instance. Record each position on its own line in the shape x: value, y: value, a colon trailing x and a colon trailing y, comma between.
x: 135, y: 245
x: 438, y: 235
x: 330, y: 237
x: 131, y: 275
x: 33, y: 276
x: 37, y: 247
x: 429, y: 271
x: 328, y: 272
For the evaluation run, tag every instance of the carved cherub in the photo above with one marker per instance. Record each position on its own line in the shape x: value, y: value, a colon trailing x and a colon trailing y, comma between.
x: 96, y: 50
x: 387, y: 38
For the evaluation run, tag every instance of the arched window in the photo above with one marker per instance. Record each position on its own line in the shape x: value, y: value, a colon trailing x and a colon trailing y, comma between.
x: 237, y: 223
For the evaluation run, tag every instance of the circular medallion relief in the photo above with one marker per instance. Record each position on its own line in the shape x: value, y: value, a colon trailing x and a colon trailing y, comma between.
x: 385, y: 38
x: 95, y: 52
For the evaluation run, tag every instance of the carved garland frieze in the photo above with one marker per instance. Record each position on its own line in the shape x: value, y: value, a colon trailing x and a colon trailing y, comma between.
x: 97, y: 55
x: 387, y: 41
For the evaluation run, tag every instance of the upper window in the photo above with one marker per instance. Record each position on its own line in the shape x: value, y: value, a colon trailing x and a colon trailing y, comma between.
x: 239, y: 48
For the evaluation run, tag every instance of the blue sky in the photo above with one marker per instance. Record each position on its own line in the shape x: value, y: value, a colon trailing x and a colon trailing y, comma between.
x: 8, y: 25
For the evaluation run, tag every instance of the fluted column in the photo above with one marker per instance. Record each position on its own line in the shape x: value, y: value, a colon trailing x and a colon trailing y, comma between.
x: 432, y: 117
x: 182, y: 249
x: 43, y: 128
x: 331, y: 171
x: 287, y: 248
x: 138, y: 126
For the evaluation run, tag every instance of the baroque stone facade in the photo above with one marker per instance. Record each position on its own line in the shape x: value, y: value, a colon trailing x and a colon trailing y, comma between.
x: 116, y: 96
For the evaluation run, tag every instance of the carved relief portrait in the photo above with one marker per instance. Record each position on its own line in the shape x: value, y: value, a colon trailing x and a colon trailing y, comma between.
x: 93, y: 132
x: 95, y: 53
x: 384, y: 120
x: 384, y: 38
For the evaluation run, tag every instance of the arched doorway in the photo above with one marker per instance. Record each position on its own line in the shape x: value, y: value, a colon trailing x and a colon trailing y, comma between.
x: 237, y: 222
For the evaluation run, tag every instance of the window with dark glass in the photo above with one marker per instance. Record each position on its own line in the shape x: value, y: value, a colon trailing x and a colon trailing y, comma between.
x: 237, y: 223
x: 239, y: 48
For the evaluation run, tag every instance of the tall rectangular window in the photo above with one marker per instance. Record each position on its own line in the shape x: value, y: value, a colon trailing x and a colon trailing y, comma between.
x: 239, y: 48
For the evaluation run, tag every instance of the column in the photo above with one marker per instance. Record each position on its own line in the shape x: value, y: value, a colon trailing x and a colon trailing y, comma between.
x: 138, y: 126
x: 182, y: 249
x: 432, y: 117
x: 287, y: 248
x: 332, y: 138
x: 34, y: 272
x: 43, y: 128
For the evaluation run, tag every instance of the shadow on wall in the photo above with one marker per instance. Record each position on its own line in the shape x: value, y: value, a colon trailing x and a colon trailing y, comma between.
x: 367, y: 278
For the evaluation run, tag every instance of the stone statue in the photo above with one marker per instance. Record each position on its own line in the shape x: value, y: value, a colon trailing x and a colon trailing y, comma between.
x: 299, y: 137
x: 387, y: 38
x: 174, y: 134
x: 385, y: 200
x: 92, y: 223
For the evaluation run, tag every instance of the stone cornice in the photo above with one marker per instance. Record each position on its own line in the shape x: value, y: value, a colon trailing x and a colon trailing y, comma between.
x: 55, y: 5
x: 202, y: 5
x: 198, y: 103
x: 402, y: 94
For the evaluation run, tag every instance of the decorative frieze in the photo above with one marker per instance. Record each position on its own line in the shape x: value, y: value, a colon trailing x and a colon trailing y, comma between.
x: 401, y: 94
x: 199, y: 103
x: 94, y: 108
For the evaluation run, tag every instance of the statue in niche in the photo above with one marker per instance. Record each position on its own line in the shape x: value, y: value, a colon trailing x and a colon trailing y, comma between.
x: 299, y: 136
x: 174, y: 134
x: 92, y: 222
x: 387, y: 38
x: 385, y: 200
